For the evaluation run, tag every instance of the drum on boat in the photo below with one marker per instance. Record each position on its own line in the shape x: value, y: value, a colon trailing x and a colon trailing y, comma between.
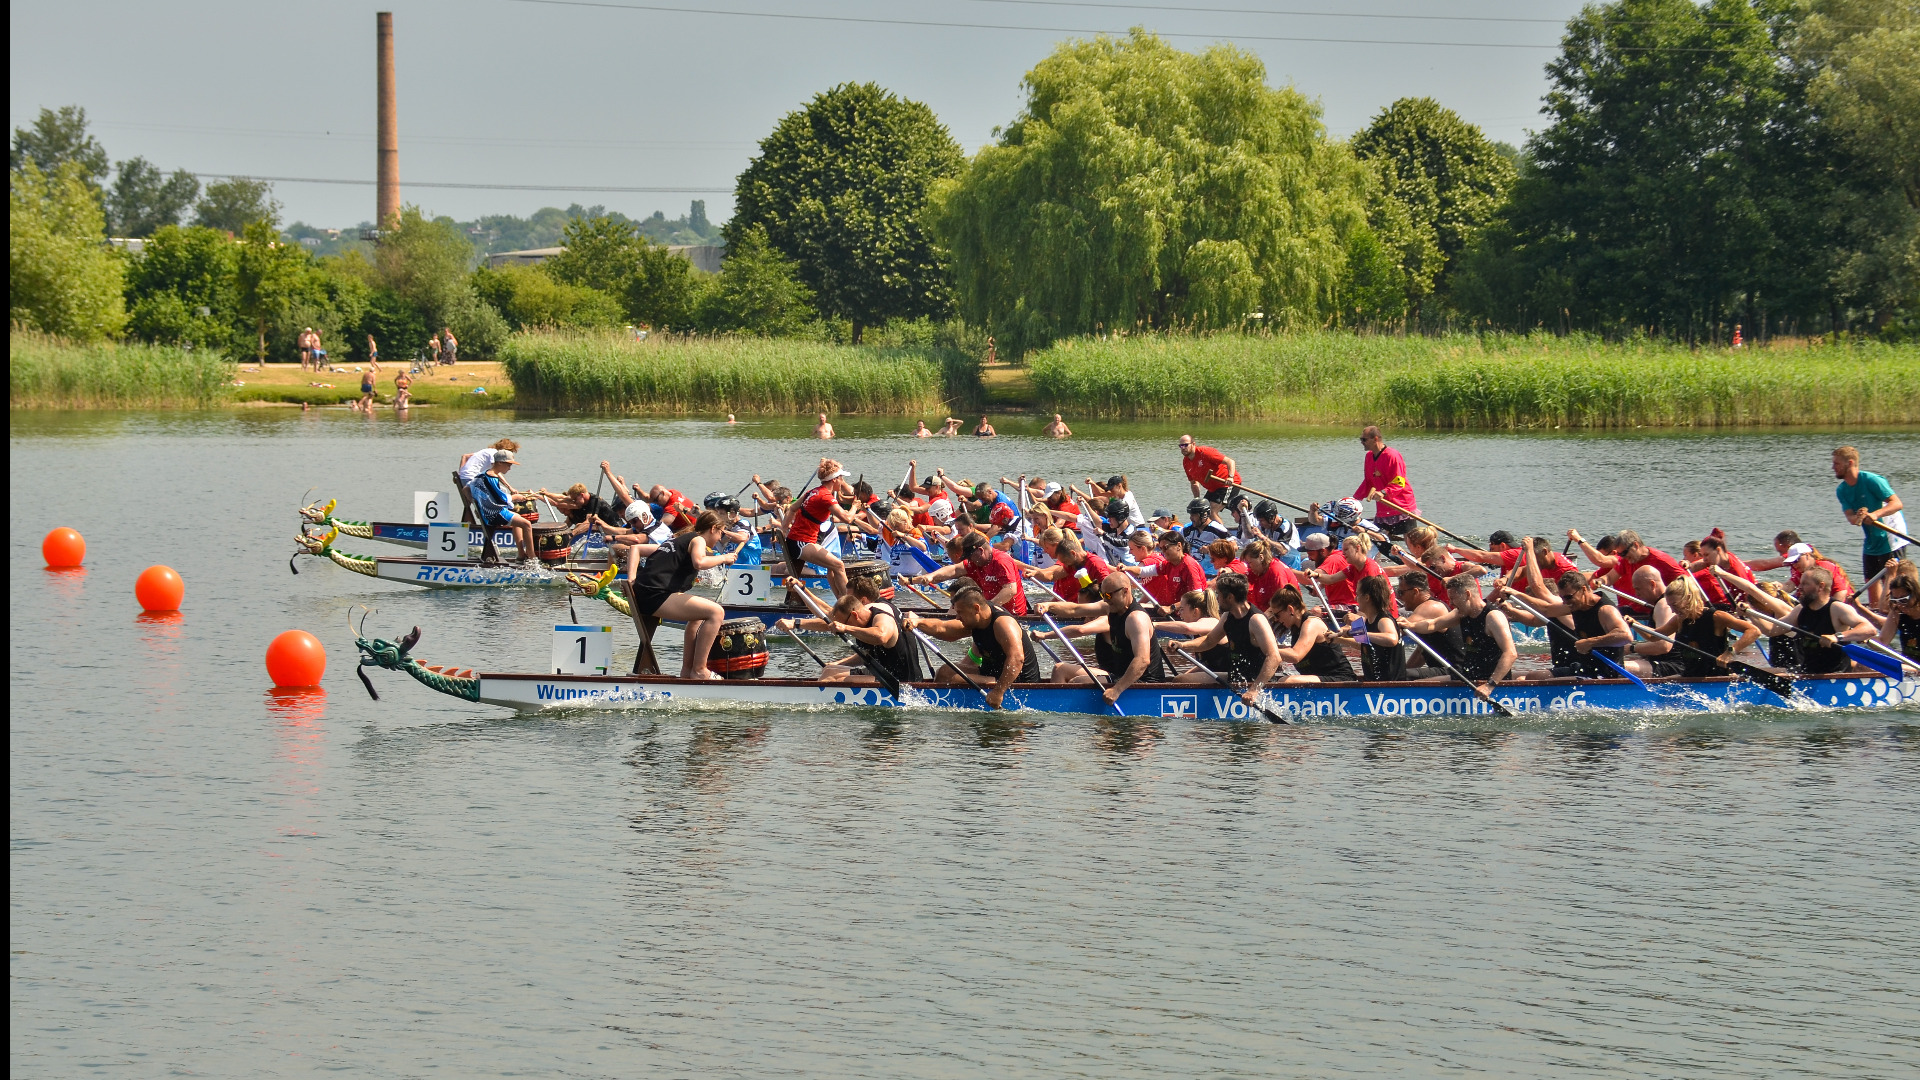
x: 740, y: 651
x: 528, y: 508
x: 875, y: 570
x: 552, y: 543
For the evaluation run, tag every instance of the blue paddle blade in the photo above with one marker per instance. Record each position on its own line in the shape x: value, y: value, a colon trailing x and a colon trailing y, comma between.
x: 1624, y: 673
x: 1885, y: 665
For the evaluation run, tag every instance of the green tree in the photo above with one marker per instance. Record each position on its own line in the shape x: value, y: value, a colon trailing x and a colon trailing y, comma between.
x: 232, y: 205
x: 143, y: 199
x: 57, y: 138
x: 269, y: 276
x: 531, y: 298
x: 1867, y: 87
x: 839, y: 188
x: 427, y: 262
x: 62, y: 278
x: 1450, y: 179
x: 1143, y: 186
x: 758, y: 291
x: 609, y: 254
x: 183, y: 288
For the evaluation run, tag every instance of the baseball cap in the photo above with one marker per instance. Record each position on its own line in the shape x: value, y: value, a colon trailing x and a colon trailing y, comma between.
x: 1158, y: 514
x: 837, y: 474
x: 1797, y: 550
x: 1314, y: 542
x: 1050, y: 490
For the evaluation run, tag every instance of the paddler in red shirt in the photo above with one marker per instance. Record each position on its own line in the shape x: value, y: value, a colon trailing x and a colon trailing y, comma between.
x: 1175, y: 575
x: 1384, y: 480
x: 807, y: 516
x: 676, y: 510
x: 1341, y: 572
x: 990, y: 568
x: 1074, y: 568
x: 1266, y: 574
x: 1630, y: 554
x: 1715, y: 556
x: 1207, y: 469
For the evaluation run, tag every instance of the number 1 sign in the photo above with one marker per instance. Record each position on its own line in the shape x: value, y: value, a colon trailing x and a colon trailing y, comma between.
x: 582, y: 650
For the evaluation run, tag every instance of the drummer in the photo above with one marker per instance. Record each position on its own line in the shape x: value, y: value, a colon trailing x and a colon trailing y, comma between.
x: 659, y: 589
x: 1004, y: 649
x: 873, y: 622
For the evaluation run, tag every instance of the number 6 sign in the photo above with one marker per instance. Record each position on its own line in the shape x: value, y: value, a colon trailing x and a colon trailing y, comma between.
x: 432, y: 506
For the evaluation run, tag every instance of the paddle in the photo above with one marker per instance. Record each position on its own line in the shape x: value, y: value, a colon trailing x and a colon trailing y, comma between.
x: 1878, y: 646
x: 1554, y: 624
x: 934, y: 650
x: 1498, y: 708
x: 1272, y: 717
x: 1875, y: 522
x: 797, y: 640
x: 917, y: 591
x: 1437, y: 528
x: 886, y: 678
x: 1082, y: 661
x: 1865, y: 656
x: 1771, y: 680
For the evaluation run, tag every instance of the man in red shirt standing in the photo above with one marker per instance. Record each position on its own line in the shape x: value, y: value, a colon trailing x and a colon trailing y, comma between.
x: 1384, y: 480
x: 1207, y: 469
x: 990, y: 568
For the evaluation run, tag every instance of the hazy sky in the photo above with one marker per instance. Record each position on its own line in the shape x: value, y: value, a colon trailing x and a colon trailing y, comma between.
x: 546, y: 93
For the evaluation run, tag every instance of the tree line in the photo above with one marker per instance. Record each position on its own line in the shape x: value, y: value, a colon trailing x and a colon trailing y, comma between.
x: 1701, y: 166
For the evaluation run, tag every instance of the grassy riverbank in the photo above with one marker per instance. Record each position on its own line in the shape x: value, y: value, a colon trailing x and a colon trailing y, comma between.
x: 49, y: 373
x: 612, y: 373
x: 1496, y: 381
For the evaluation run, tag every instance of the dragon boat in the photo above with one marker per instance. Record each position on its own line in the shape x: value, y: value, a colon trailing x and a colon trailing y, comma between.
x: 1166, y: 701
x: 440, y: 573
x: 590, y: 547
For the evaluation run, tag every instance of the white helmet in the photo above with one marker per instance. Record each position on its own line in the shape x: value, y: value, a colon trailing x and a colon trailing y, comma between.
x: 1348, y: 511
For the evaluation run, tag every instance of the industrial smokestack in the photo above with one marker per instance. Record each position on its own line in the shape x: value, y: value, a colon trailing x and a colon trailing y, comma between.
x: 388, y: 160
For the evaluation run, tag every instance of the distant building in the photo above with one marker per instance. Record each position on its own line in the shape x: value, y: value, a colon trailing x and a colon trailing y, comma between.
x: 703, y: 256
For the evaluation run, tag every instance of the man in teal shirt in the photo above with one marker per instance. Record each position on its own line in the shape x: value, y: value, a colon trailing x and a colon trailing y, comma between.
x: 1867, y: 497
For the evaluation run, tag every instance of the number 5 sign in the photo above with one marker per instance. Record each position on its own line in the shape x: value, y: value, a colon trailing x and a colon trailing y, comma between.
x: 446, y: 541
x: 582, y: 650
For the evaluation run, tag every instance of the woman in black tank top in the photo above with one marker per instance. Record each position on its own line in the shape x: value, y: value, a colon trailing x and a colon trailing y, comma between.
x: 1901, y: 632
x: 1310, y: 648
x: 1696, y: 623
x: 1382, y: 659
x: 659, y: 591
x: 1245, y: 635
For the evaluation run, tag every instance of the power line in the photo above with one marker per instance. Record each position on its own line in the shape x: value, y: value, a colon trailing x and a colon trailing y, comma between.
x: 476, y: 187
x: 480, y: 140
x: 1077, y: 30
x: 1364, y: 14
x: 1030, y: 29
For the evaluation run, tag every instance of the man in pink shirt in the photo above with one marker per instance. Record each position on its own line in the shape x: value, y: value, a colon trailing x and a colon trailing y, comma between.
x: 1385, y: 481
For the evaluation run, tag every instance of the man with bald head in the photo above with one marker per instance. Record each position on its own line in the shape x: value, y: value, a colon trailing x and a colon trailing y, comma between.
x: 1122, y: 631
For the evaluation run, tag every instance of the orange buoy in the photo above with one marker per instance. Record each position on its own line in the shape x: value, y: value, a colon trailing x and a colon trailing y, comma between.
x: 63, y: 547
x: 296, y: 658
x: 158, y: 588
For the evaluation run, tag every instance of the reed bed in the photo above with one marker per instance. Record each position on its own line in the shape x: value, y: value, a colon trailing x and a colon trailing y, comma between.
x: 611, y: 373
x: 1465, y: 381
x: 46, y: 372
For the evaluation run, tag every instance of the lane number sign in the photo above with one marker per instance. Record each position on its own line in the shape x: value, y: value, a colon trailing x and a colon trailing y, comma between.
x: 432, y: 506
x: 746, y: 583
x: 582, y: 650
x: 447, y: 541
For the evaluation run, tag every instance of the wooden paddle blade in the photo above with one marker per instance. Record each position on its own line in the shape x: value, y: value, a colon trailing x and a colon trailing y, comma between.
x: 1883, y: 664
x: 1771, y: 681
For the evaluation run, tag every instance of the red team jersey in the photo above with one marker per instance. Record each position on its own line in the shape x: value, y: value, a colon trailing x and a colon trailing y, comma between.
x: 814, y: 511
x: 999, y: 572
x: 1207, y: 467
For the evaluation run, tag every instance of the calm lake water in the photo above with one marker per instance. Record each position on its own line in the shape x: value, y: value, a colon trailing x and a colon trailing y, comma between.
x: 208, y: 879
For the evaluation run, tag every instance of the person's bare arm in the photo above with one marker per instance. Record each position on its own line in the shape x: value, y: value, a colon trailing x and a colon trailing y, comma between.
x: 1006, y: 594
x: 1616, y: 632
x: 1012, y: 642
x: 1140, y: 635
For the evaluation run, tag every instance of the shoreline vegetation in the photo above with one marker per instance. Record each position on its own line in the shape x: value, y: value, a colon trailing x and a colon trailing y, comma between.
x: 1457, y: 382
x: 1465, y: 381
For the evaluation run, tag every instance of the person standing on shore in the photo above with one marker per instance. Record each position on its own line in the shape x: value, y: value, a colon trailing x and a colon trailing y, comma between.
x: 1866, y: 498
x: 307, y: 342
x: 1208, y: 470
x: 449, y: 348
x: 1384, y: 480
x: 433, y: 350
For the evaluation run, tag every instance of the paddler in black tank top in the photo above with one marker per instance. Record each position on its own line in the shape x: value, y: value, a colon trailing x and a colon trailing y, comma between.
x: 1596, y: 625
x: 999, y: 640
x: 1121, y: 626
x: 1691, y: 620
x: 1486, y: 650
x: 1311, y: 648
x: 1901, y: 632
x: 659, y: 590
x: 1417, y: 604
x: 873, y: 622
x: 1253, y: 653
x: 1817, y: 613
x: 1375, y: 635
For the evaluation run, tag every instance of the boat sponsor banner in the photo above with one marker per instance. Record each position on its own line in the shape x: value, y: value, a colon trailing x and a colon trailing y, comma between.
x: 468, y: 574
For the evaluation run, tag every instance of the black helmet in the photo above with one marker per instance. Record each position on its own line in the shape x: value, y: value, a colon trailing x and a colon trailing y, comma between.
x: 720, y: 500
x: 1197, y: 506
x: 1265, y: 510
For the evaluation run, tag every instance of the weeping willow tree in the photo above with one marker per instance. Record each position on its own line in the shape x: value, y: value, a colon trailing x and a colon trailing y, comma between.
x: 1145, y: 187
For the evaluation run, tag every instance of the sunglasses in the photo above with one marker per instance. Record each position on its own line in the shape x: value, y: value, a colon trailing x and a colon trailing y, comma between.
x: 1899, y: 601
